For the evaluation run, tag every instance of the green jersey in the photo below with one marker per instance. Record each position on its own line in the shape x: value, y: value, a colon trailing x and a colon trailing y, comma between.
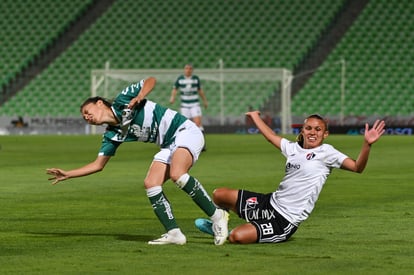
x: 188, y: 87
x: 148, y: 122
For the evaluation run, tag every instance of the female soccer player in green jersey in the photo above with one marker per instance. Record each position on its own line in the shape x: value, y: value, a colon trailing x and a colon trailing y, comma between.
x: 274, y: 217
x: 190, y: 89
x: 131, y: 117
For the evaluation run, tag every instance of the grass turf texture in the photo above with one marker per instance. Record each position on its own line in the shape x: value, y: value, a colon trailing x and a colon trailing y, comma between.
x: 362, y: 224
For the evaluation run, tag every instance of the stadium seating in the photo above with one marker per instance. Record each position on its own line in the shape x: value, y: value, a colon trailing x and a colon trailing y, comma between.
x: 378, y: 80
x: 154, y: 34
x: 29, y: 27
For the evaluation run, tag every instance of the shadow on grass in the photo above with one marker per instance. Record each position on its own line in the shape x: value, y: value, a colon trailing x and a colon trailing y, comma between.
x: 122, y: 237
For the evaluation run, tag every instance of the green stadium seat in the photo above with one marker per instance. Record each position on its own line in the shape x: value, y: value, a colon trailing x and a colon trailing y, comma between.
x: 248, y: 40
x: 376, y: 56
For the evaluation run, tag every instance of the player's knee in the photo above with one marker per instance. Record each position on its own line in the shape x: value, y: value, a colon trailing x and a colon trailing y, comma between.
x: 180, y: 179
x: 235, y: 237
x: 242, y: 236
x: 148, y: 183
x: 216, y: 194
x: 219, y: 195
x: 179, y: 173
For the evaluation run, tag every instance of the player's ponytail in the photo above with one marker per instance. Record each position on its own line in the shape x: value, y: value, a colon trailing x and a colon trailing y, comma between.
x: 299, y: 139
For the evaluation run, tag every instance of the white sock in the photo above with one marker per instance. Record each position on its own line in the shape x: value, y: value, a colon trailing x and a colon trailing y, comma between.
x: 152, y: 191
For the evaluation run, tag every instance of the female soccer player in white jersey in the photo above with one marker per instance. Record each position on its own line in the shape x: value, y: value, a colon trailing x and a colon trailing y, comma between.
x: 274, y: 217
x: 131, y: 117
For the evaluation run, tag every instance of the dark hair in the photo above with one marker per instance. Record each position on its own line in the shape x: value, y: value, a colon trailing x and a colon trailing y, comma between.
x: 94, y: 100
x: 299, y: 138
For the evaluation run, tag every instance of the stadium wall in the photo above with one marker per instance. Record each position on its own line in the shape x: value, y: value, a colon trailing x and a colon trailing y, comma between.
x: 77, y: 126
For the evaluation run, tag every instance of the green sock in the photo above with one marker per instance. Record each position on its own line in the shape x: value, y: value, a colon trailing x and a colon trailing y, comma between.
x: 196, y: 191
x: 162, y: 209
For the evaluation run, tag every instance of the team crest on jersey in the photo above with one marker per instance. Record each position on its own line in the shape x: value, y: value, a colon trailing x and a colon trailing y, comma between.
x: 310, y: 156
x: 251, y: 202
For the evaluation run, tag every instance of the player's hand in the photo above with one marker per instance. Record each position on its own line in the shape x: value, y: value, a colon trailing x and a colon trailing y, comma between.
x: 58, y: 175
x: 134, y: 102
x: 252, y: 113
x: 373, y: 134
x: 172, y: 100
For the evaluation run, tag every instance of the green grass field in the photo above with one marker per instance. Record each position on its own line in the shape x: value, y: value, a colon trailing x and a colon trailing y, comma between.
x: 362, y: 223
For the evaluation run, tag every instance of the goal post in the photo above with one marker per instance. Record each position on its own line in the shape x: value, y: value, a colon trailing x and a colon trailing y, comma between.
x: 230, y: 91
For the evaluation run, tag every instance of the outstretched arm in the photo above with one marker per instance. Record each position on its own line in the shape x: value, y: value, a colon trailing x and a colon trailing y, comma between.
x: 93, y: 167
x: 149, y: 84
x: 370, y: 137
x: 266, y: 131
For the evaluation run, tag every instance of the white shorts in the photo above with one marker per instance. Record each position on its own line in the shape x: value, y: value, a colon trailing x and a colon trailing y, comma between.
x: 191, y: 112
x: 188, y: 136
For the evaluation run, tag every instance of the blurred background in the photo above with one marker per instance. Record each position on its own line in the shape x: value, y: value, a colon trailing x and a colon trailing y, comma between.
x: 351, y: 61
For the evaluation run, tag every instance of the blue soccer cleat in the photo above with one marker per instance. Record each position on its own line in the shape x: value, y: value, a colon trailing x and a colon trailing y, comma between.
x: 204, y: 225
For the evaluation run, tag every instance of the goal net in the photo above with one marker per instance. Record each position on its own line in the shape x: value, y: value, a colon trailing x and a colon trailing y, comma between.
x: 230, y: 92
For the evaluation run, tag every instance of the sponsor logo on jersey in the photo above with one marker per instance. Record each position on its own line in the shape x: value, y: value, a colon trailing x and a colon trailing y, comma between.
x: 260, y: 214
x: 257, y: 214
x: 292, y: 167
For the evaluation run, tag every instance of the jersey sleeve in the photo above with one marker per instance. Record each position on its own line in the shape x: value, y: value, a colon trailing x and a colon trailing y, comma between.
x: 198, y: 83
x: 335, y: 158
x: 285, y: 147
x: 108, y: 147
x: 176, y: 83
x: 125, y: 96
